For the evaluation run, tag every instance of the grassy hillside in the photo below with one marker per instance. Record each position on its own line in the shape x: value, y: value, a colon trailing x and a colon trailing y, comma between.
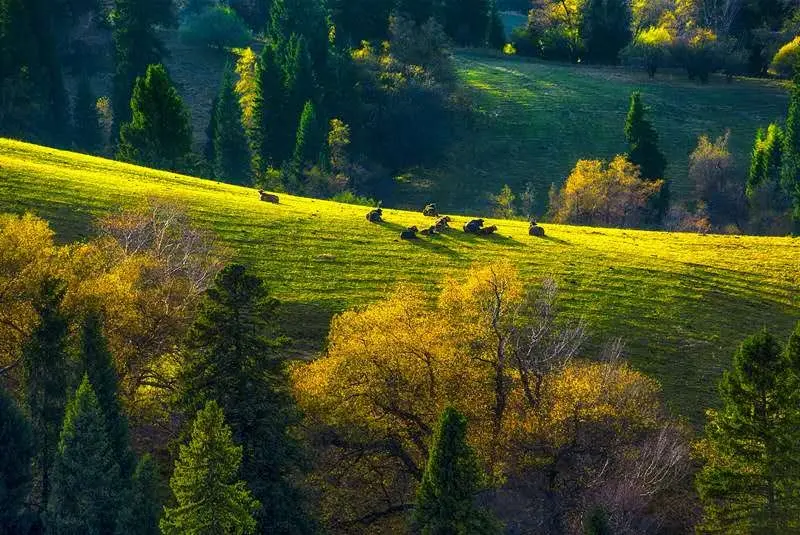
x: 681, y: 301
x: 534, y: 120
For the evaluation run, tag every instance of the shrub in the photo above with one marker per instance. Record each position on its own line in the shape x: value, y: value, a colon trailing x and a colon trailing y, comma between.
x: 348, y: 197
x: 785, y: 61
x: 711, y: 171
x: 700, y: 53
x: 218, y: 27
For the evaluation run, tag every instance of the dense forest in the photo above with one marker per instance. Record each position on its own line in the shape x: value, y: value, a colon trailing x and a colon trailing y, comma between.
x: 148, y: 380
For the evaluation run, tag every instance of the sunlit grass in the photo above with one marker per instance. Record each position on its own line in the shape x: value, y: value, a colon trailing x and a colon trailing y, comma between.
x: 681, y: 301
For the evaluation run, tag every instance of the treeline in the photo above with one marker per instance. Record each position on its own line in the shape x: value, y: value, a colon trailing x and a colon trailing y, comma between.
x: 701, y: 36
x: 318, y: 99
x: 145, y: 389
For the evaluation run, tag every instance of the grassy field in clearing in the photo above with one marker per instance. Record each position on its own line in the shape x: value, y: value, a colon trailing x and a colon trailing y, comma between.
x: 681, y: 301
x: 533, y: 120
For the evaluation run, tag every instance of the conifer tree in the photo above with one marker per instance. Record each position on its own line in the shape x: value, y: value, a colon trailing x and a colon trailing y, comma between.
x: 99, y: 366
x: 232, y: 359
x: 308, y: 142
x: 270, y: 102
x: 606, y: 29
x: 86, y: 132
x: 306, y: 18
x: 231, y: 154
x: 452, y: 478
x: 751, y: 473
x: 210, y: 497
x: 15, y: 464
x: 466, y: 22
x: 44, y: 362
x: 300, y: 87
x: 496, y: 37
x: 85, y: 495
x: 159, y: 133
x: 211, y: 133
x: 136, y: 46
x: 140, y: 513
x: 417, y: 10
x: 644, y: 152
x: 790, y: 159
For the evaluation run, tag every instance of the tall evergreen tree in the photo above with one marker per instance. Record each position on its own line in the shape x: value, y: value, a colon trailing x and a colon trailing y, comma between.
x: 452, y: 478
x: 790, y: 171
x: 159, y: 133
x: 44, y: 361
x: 644, y: 152
x: 308, y: 142
x: 232, y: 359
x: 496, y: 35
x: 417, y: 10
x: 466, y: 22
x: 210, y: 497
x: 136, y: 46
x: 605, y: 29
x: 85, y: 495
x: 15, y: 465
x: 751, y: 475
x: 211, y: 133
x: 306, y: 18
x: 99, y: 366
x: 269, y: 107
x: 300, y: 87
x: 231, y: 154
x: 140, y: 513
x: 86, y: 133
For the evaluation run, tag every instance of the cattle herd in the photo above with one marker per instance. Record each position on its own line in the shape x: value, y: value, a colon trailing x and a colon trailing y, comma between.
x: 474, y: 226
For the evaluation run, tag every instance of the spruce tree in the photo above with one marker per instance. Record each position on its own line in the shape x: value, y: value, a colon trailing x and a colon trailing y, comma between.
x: 231, y: 154
x: 269, y: 107
x: 751, y: 473
x: 159, y: 133
x: 140, y: 513
x: 232, y: 359
x: 644, y: 152
x: 211, y: 133
x: 98, y: 364
x: 136, y: 46
x: 790, y: 159
x: 306, y: 18
x: 86, y: 131
x: 496, y: 36
x: 15, y: 464
x: 308, y: 142
x: 300, y: 87
x: 44, y: 362
x: 85, y: 495
x: 605, y: 29
x: 466, y: 22
x: 452, y: 478
x: 210, y: 497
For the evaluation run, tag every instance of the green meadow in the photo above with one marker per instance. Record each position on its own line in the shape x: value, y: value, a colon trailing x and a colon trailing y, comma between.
x: 681, y: 302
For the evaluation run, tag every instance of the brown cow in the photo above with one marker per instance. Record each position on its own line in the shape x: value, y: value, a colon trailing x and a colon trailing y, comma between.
x: 268, y: 197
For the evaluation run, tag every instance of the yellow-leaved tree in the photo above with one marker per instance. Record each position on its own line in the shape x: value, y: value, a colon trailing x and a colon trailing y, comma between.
x: 547, y: 426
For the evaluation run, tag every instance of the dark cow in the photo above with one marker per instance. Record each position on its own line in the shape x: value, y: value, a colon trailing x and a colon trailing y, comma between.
x: 430, y: 210
x: 268, y: 197
x: 487, y: 230
x: 375, y: 216
x: 409, y: 234
x: 474, y: 226
x: 430, y: 231
x: 442, y: 224
x: 536, y: 230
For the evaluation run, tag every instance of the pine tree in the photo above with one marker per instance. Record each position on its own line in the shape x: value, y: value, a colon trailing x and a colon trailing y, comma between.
x: 86, y: 131
x: 308, y: 142
x: 140, y: 513
x: 136, y: 46
x: 452, y: 478
x: 605, y: 29
x: 85, y: 496
x: 751, y: 471
x: 231, y: 154
x: 270, y: 102
x: 644, y: 152
x: 306, y: 18
x: 210, y: 497
x: 417, y: 10
x: 496, y: 37
x: 466, y: 22
x: 44, y: 361
x: 211, y: 133
x: 232, y: 360
x: 15, y: 464
x: 790, y: 159
x: 159, y: 133
x: 99, y: 366
x: 300, y: 87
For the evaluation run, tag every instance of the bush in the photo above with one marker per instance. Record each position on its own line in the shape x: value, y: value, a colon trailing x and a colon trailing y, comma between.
x: 700, y: 53
x: 348, y: 197
x: 218, y: 27
x: 785, y: 61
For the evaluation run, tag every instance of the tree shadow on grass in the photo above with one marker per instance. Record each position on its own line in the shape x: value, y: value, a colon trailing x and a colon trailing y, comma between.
x: 430, y: 243
x: 554, y: 240
x: 307, y: 325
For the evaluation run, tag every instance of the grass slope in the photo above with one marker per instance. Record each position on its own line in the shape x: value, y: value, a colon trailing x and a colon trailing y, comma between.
x: 681, y: 301
x: 534, y: 120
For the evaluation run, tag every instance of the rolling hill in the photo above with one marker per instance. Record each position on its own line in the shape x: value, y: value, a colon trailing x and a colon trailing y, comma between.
x: 681, y: 302
x: 533, y: 120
